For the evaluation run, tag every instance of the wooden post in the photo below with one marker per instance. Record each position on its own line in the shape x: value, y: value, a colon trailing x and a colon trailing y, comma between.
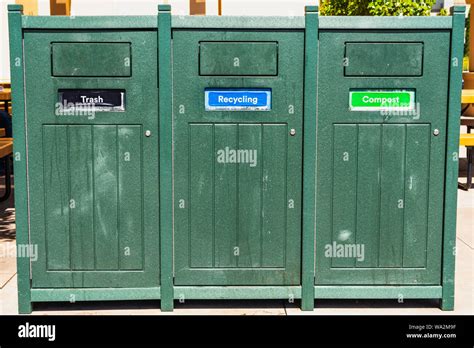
x: 219, y: 7
x: 60, y: 7
x: 197, y: 7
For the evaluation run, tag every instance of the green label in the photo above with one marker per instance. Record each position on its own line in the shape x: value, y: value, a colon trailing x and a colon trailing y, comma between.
x: 381, y: 100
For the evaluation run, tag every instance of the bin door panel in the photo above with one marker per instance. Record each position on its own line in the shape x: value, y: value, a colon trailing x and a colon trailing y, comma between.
x: 380, y: 173
x: 237, y: 174
x: 92, y: 173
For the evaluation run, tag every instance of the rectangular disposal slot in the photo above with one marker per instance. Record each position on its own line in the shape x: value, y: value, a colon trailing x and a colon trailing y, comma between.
x: 383, y: 59
x: 90, y: 59
x: 238, y: 58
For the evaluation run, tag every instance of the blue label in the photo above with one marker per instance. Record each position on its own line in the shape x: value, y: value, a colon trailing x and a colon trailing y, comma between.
x: 238, y: 99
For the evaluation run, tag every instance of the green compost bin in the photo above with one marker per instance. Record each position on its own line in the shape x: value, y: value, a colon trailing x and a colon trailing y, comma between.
x: 387, y: 156
x: 176, y: 158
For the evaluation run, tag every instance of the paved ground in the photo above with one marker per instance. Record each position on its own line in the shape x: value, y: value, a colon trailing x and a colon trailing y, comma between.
x: 464, y: 285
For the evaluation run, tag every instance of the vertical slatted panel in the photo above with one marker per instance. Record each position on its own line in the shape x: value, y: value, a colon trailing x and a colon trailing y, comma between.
x: 368, y: 193
x: 56, y: 190
x: 274, y: 148
x: 201, y: 176
x: 344, y: 192
x: 250, y: 198
x: 392, y: 192
x: 225, y: 198
x: 80, y: 172
x: 105, y: 190
x: 416, y: 195
x: 392, y: 196
x: 130, y: 197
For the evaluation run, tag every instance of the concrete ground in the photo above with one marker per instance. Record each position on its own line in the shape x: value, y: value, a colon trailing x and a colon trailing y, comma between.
x: 464, y: 297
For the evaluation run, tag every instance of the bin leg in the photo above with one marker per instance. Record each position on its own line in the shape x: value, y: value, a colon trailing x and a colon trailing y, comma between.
x: 447, y: 299
x: 307, y: 291
x: 447, y: 304
x: 24, y: 293
x: 24, y: 306
x: 307, y: 304
x: 166, y: 305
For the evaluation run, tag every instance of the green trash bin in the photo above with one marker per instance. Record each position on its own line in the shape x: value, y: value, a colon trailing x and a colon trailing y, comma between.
x: 86, y: 157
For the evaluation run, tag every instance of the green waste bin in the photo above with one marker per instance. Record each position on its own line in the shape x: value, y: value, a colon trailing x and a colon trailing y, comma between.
x: 86, y: 157
x: 177, y: 158
x: 386, y: 156
x: 237, y: 125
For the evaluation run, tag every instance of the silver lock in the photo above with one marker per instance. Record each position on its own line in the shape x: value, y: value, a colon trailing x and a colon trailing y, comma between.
x: 147, y: 133
x: 436, y: 132
x: 292, y: 132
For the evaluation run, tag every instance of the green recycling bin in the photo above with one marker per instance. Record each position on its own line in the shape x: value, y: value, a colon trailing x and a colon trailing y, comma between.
x: 237, y: 125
